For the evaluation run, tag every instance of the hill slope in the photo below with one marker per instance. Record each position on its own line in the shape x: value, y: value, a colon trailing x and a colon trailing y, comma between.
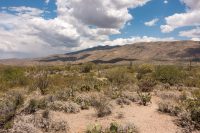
x: 152, y: 51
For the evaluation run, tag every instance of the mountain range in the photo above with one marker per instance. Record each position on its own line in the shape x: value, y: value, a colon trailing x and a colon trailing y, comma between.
x: 172, y: 51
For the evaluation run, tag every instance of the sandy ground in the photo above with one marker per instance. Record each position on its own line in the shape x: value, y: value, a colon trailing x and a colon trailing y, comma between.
x: 146, y: 118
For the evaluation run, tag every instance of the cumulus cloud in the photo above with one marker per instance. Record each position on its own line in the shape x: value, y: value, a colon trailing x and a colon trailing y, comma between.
x: 195, y: 39
x: 47, y: 1
x: 190, y: 18
x: 103, y: 14
x: 194, y: 33
x: 165, y: 2
x: 24, y: 32
x: 151, y: 22
x: 192, y: 4
x: 136, y: 39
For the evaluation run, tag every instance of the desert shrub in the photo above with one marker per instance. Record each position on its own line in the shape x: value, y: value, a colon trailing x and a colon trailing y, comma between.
x: 43, y: 83
x: 113, y: 92
x: 57, y: 80
x: 43, y: 103
x: 129, y: 128
x: 169, y: 74
x: 167, y: 107
x: 68, y: 107
x: 193, y: 78
x: 169, y: 95
x: 85, y: 88
x: 86, y: 68
x: 102, y: 106
x: 116, y: 128
x: 123, y: 101
x: 8, y: 106
x: 32, y: 107
x: 146, y: 85
x: 132, y: 96
x: 143, y: 70
x: 91, y: 83
x: 193, y: 106
x: 113, y: 128
x: 145, y: 98
x: 119, y: 76
x: 191, y: 81
x: 13, y: 76
x: 94, y: 129
x: 65, y: 95
x: 47, y: 124
x: 84, y: 101
x: 45, y: 114
x: 184, y: 121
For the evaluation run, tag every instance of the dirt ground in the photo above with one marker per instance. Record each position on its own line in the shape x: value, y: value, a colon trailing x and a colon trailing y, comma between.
x: 146, y: 118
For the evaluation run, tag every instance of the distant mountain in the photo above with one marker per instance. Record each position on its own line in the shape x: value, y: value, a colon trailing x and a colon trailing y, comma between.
x: 151, y: 51
x: 107, y: 47
x: 176, y: 51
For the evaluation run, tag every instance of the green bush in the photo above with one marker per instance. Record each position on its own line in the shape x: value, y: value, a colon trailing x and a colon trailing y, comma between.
x: 86, y: 68
x: 43, y: 83
x: 32, y: 107
x: 193, y: 106
x: 169, y: 74
x: 120, y: 76
x: 113, y: 128
x: 167, y: 107
x: 146, y: 85
x: 8, y: 106
x: 94, y: 129
x: 143, y: 70
x: 102, y: 106
x: 13, y: 76
x: 190, y: 117
x: 145, y: 98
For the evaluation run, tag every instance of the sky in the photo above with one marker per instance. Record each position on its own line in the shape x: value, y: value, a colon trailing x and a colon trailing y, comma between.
x: 37, y: 28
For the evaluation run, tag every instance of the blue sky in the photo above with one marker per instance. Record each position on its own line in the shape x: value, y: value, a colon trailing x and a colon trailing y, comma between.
x: 154, y: 9
x: 27, y: 27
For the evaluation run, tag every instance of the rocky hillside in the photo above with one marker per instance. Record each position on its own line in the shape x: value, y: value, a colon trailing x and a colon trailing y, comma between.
x: 152, y: 51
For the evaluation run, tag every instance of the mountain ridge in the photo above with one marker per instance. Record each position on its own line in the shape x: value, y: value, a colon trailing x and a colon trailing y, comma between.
x: 171, y: 51
x: 143, y: 51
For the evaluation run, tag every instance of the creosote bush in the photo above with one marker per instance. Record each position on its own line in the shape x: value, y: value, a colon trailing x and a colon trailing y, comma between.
x: 32, y: 107
x: 8, y: 106
x: 113, y: 128
x: 167, y: 107
x: 67, y: 107
x: 43, y: 83
x: 144, y: 69
x: 120, y: 76
x: 146, y: 85
x: 193, y: 107
x: 87, y: 67
x: 13, y: 77
x: 169, y: 74
x: 102, y: 106
x: 145, y: 98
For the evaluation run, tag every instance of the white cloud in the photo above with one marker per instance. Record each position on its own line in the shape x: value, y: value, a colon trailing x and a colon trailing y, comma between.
x: 165, y: 2
x: 151, y: 22
x: 103, y: 14
x: 194, y: 33
x: 190, y: 18
x: 47, y: 1
x: 180, y: 20
x: 25, y: 33
x: 195, y: 39
x: 131, y: 40
x: 192, y: 4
